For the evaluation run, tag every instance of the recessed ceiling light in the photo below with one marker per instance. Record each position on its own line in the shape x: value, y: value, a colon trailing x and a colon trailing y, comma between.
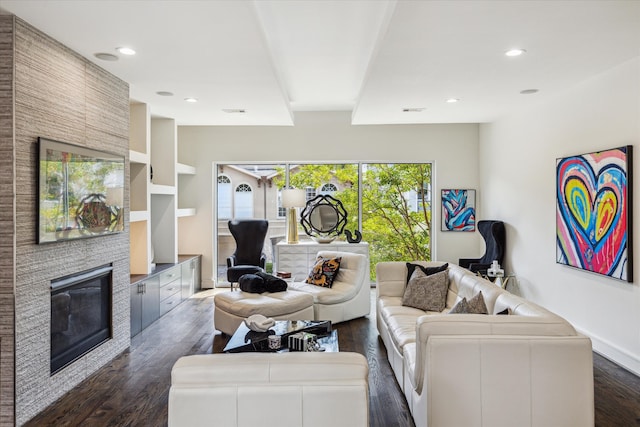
x: 515, y: 52
x: 191, y: 99
x: 528, y: 91
x: 105, y: 56
x: 234, y: 110
x: 164, y: 93
x: 412, y: 109
x: 126, y: 50
x: 452, y: 100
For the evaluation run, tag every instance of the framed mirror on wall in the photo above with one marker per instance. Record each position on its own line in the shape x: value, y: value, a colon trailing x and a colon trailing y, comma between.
x: 323, y: 218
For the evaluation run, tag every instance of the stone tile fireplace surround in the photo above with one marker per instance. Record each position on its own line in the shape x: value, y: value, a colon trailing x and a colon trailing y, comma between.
x: 48, y: 90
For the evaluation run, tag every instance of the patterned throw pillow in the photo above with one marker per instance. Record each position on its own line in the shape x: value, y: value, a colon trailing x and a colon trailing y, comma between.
x: 324, y: 271
x: 427, y: 293
x: 475, y: 305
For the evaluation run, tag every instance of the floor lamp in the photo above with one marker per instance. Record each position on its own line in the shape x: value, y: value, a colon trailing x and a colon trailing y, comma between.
x: 292, y: 199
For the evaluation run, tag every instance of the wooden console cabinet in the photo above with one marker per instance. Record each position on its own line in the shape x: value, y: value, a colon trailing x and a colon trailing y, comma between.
x: 298, y: 258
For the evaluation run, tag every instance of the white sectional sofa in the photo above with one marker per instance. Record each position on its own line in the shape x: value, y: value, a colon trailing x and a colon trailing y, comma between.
x: 270, y: 390
x: 527, y: 368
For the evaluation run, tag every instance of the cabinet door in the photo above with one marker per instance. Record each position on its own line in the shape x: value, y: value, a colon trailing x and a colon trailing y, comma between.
x: 150, y: 301
x: 136, y: 308
x: 197, y: 274
x: 293, y: 259
x: 188, y: 278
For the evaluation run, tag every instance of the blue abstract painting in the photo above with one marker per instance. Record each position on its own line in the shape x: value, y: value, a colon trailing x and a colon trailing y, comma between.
x: 458, y: 210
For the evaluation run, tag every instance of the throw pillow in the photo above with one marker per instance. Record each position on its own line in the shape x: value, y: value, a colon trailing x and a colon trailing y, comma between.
x: 427, y: 293
x: 460, y: 307
x: 251, y: 283
x: 324, y: 271
x: 475, y: 305
x: 272, y: 283
x: 427, y: 270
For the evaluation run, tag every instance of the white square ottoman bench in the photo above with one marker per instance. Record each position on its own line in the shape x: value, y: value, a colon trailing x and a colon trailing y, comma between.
x: 231, y: 308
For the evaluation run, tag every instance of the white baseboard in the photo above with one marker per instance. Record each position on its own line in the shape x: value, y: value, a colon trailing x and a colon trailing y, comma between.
x: 630, y: 362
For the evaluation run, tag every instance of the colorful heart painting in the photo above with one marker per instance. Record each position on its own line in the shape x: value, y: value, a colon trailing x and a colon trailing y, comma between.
x: 458, y: 210
x: 593, y: 212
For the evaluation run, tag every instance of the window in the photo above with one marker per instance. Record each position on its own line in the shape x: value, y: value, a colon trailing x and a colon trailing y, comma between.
x: 423, y: 199
x: 282, y: 212
x: 224, y: 197
x: 390, y: 203
x: 328, y: 189
x: 243, y: 202
x: 311, y: 192
x: 395, y: 215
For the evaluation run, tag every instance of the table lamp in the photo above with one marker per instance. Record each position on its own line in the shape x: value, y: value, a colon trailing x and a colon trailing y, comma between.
x: 293, y: 198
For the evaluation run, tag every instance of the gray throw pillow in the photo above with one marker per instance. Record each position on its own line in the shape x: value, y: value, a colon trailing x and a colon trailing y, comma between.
x: 475, y: 305
x: 427, y: 293
x: 460, y: 307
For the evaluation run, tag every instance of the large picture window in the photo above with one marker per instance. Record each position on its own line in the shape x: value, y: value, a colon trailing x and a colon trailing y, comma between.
x: 390, y: 204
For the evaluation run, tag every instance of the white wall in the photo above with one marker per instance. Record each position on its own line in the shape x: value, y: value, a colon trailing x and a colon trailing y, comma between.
x: 517, y: 172
x: 328, y: 136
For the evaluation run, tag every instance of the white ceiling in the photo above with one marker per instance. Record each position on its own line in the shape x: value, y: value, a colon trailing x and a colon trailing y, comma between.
x: 371, y: 57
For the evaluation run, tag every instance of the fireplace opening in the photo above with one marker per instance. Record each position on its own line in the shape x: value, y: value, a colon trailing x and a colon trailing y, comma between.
x: 80, y: 314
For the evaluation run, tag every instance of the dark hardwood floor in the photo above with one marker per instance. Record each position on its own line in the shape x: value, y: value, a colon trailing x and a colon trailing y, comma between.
x: 133, y: 389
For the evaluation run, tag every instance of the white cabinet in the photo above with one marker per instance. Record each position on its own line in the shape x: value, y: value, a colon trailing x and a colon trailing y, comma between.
x: 299, y: 258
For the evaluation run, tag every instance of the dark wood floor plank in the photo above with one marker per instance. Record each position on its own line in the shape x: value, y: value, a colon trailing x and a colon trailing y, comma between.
x: 133, y: 389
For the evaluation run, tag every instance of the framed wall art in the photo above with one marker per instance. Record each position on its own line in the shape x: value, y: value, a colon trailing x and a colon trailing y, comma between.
x: 593, y: 212
x: 458, y: 210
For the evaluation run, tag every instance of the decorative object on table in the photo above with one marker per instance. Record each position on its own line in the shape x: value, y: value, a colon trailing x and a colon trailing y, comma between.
x: 259, y: 323
x: 292, y: 198
x: 593, y: 212
x: 323, y: 218
x: 283, y: 274
x: 458, y: 210
x: 352, y: 239
x: 80, y: 191
x: 275, y: 342
x: 496, y: 273
x: 248, y: 258
x: 260, y: 282
x: 304, y: 341
x: 494, y: 235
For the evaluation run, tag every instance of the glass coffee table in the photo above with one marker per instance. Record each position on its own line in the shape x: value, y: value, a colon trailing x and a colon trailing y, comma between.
x: 246, y: 340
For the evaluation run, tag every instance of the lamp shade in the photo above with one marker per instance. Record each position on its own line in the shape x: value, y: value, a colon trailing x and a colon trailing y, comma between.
x: 293, y: 198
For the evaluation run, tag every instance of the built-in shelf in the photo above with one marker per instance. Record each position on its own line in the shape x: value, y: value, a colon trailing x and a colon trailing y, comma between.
x: 135, y: 216
x: 186, y: 212
x: 156, y: 180
x: 183, y: 169
x: 162, y: 189
x: 138, y: 157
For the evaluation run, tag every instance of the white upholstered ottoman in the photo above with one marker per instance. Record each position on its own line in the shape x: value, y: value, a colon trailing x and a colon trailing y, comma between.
x: 231, y: 308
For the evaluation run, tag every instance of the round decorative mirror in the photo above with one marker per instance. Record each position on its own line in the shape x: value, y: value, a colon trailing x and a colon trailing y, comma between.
x: 323, y: 218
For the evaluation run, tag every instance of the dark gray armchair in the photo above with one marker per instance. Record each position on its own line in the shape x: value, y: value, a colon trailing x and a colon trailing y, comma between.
x: 494, y: 235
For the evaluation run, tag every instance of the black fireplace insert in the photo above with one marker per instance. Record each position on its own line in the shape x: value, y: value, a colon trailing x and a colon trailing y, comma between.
x: 80, y: 314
